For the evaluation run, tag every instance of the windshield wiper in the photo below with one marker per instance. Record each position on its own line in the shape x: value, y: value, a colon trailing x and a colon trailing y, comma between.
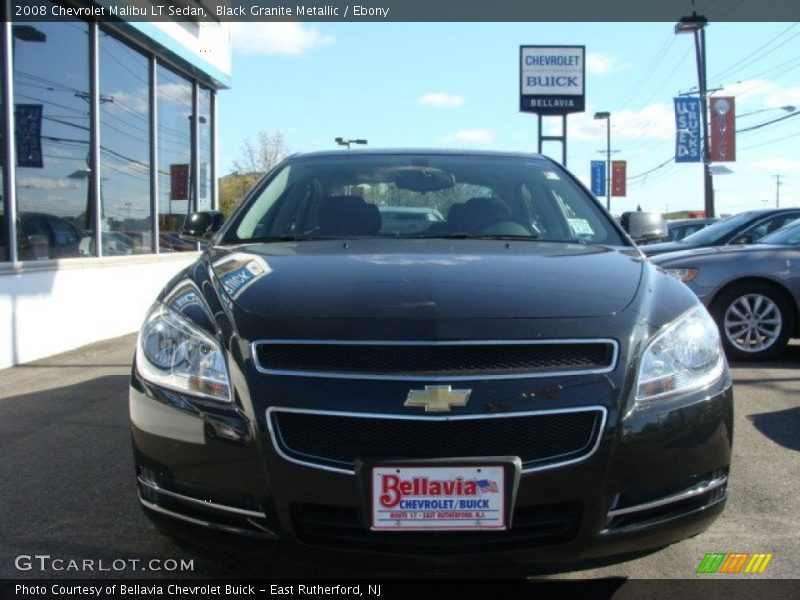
x: 473, y: 236
x: 290, y: 237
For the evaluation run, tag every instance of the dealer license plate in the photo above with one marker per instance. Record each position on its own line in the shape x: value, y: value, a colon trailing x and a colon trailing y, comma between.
x: 438, y: 498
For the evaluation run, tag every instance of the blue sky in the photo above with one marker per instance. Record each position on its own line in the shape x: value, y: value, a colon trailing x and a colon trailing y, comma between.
x: 456, y: 85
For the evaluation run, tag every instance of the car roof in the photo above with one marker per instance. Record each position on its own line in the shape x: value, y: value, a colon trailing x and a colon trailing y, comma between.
x: 766, y: 211
x: 674, y: 222
x: 417, y: 151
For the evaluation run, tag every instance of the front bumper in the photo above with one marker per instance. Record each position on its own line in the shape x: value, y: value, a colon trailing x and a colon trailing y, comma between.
x: 656, y: 476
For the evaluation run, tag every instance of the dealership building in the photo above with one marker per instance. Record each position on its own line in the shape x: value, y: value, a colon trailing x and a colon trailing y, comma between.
x: 109, y: 135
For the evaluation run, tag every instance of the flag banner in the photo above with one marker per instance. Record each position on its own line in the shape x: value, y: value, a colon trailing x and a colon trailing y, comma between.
x: 28, y: 134
x: 722, y: 129
x: 619, y: 173
x: 688, y: 144
x: 599, y: 177
x: 178, y: 182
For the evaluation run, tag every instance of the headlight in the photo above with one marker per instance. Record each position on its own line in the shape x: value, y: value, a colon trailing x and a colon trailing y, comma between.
x: 686, y: 355
x: 685, y: 275
x: 176, y: 354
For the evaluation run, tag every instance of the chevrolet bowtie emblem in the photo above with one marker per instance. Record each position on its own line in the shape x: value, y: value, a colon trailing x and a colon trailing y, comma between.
x: 437, y: 398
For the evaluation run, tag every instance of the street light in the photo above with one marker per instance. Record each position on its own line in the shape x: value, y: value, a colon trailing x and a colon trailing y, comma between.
x: 346, y: 142
x: 696, y: 25
x: 607, y: 116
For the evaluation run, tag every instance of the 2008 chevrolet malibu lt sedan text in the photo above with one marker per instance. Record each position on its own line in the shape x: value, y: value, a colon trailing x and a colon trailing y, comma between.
x: 506, y: 380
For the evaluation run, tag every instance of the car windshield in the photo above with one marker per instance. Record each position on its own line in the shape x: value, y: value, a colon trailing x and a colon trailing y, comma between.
x: 788, y: 235
x: 421, y: 196
x: 715, y: 232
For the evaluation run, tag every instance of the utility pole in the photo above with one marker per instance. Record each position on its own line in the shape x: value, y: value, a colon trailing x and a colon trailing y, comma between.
x: 696, y: 25
x: 605, y: 115
x: 777, y: 191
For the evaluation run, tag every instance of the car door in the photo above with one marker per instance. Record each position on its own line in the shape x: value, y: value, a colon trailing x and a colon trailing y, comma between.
x: 763, y: 227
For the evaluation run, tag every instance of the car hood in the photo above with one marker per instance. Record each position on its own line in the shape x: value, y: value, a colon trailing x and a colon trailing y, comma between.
x: 662, y: 247
x: 722, y: 252
x: 458, y: 279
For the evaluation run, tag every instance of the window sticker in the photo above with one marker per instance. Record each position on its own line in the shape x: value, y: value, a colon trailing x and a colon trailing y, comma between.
x: 581, y: 226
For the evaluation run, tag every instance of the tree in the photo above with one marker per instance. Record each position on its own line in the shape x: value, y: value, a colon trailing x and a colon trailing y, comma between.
x: 256, y: 157
x: 232, y: 188
x: 261, y: 154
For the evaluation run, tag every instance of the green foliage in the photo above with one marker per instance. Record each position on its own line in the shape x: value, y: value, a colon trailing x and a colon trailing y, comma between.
x: 256, y: 156
x: 232, y: 189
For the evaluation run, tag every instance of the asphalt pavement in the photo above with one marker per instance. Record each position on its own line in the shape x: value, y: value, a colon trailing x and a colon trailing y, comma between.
x: 67, y: 484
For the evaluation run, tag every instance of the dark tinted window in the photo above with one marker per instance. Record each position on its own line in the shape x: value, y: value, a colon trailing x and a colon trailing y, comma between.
x: 789, y: 234
x: 767, y: 226
x: 719, y: 230
x: 479, y: 196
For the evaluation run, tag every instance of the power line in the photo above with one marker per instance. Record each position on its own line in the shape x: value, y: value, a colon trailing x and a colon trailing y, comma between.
x: 760, y: 125
x: 752, y: 58
x: 656, y: 168
x: 649, y: 72
x: 767, y: 143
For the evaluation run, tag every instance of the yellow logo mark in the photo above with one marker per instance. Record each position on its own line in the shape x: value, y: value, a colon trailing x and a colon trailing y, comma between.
x: 437, y: 398
x: 758, y: 562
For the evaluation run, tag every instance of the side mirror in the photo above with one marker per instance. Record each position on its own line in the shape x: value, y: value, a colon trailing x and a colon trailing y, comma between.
x: 644, y: 227
x: 202, y: 226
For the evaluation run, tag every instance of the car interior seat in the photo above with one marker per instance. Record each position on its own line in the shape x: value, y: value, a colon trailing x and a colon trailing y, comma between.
x: 348, y: 215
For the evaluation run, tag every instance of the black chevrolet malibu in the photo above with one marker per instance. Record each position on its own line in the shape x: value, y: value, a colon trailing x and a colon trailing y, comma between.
x: 510, y: 380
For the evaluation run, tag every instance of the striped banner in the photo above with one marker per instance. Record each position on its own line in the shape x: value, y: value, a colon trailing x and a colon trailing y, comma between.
x: 734, y: 562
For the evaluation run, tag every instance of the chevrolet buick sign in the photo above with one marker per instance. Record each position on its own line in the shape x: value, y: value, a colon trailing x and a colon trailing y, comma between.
x: 552, y: 79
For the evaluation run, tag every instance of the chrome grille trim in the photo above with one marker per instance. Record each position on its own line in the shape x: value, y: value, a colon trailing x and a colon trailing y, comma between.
x: 430, y: 377
x: 263, y: 532
x: 698, y: 490
x: 277, y: 444
x: 201, y: 503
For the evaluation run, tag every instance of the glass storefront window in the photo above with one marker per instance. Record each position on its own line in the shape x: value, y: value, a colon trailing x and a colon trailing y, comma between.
x: 54, y: 195
x: 124, y: 148
x: 3, y: 225
x: 205, y: 191
x: 52, y: 114
x: 174, y: 95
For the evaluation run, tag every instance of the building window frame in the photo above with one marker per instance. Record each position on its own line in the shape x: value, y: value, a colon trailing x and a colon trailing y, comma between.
x: 9, y: 147
x: 7, y: 126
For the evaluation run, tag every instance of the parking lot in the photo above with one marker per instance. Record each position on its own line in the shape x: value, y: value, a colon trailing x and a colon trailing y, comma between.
x: 67, y: 487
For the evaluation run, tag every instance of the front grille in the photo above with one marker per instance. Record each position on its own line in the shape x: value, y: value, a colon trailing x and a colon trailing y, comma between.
x: 452, y: 360
x: 336, y: 440
x: 340, y: 527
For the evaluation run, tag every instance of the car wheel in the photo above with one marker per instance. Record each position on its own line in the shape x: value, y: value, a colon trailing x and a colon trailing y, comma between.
x: 755, y: 321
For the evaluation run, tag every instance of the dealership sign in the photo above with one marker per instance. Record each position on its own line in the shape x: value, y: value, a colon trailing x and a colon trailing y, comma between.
x: 723, y: 130
x: 619, y: 176
x: 552, y: 79
x: 688, y: 145
x: 599, y: 177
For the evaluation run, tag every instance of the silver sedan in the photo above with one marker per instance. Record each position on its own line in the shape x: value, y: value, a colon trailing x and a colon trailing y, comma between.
x: 751, y: 291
